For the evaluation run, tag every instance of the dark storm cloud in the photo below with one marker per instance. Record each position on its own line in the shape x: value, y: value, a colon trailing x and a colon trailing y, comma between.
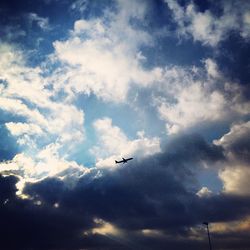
x: 154, y: 193
x: 241, y: 148
x: 8, y: 189
x: 25, y: 225
x: 192, y: 148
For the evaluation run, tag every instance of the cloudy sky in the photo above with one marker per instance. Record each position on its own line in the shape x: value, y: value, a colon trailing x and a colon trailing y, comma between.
x: 86, y: 82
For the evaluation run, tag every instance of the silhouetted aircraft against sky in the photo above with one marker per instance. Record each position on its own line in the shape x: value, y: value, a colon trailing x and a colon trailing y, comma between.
x: 124, y: 160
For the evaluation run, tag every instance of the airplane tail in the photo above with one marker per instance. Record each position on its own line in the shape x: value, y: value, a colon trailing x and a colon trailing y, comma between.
x: 116, y: 161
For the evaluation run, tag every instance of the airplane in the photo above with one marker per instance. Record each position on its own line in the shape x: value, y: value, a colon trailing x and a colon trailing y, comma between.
x: 124, y: 160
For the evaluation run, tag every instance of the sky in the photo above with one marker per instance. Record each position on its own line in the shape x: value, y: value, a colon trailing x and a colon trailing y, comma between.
x: 86, y: 82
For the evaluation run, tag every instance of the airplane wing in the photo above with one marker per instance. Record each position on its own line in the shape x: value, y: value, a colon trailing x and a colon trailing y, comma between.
x: 129, y: 159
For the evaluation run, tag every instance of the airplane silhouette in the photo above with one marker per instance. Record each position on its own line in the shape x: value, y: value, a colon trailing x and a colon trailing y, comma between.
x: 124, y: 160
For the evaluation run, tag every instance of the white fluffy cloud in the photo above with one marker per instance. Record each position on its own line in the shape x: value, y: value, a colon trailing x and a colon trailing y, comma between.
x: 48, y: 163
x: 24, y: 93
x: 42, y: 123
x: 235, y: 175
x: 204, y: 192
x: 24, y: 130
x: 236, y: 143
x: 114, y: 144
x: 236, y: 180
x: 207, y: 27
x: 194, y: 105
x: 103, y: 55
x: 190, y: 97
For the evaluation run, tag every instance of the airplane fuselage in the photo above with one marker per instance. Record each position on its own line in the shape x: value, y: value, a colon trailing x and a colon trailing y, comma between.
x: 124, y: 160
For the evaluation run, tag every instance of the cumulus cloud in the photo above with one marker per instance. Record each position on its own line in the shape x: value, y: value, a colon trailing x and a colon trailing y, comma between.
x: 18, y: 108
x: 103, y: 60
x: 236, y: 143
x: 236, y: 180
x: 36, y: 120
x: 114, y: 144
x: 23, y: 128
x: 194, y: 105
x: 235, y: 174
x: 26, y: 94
x: 190, y: 98
x: 207, y: 27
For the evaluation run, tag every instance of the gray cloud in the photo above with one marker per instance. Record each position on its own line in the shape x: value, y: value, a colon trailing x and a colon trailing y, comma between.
x: 155, y: 195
